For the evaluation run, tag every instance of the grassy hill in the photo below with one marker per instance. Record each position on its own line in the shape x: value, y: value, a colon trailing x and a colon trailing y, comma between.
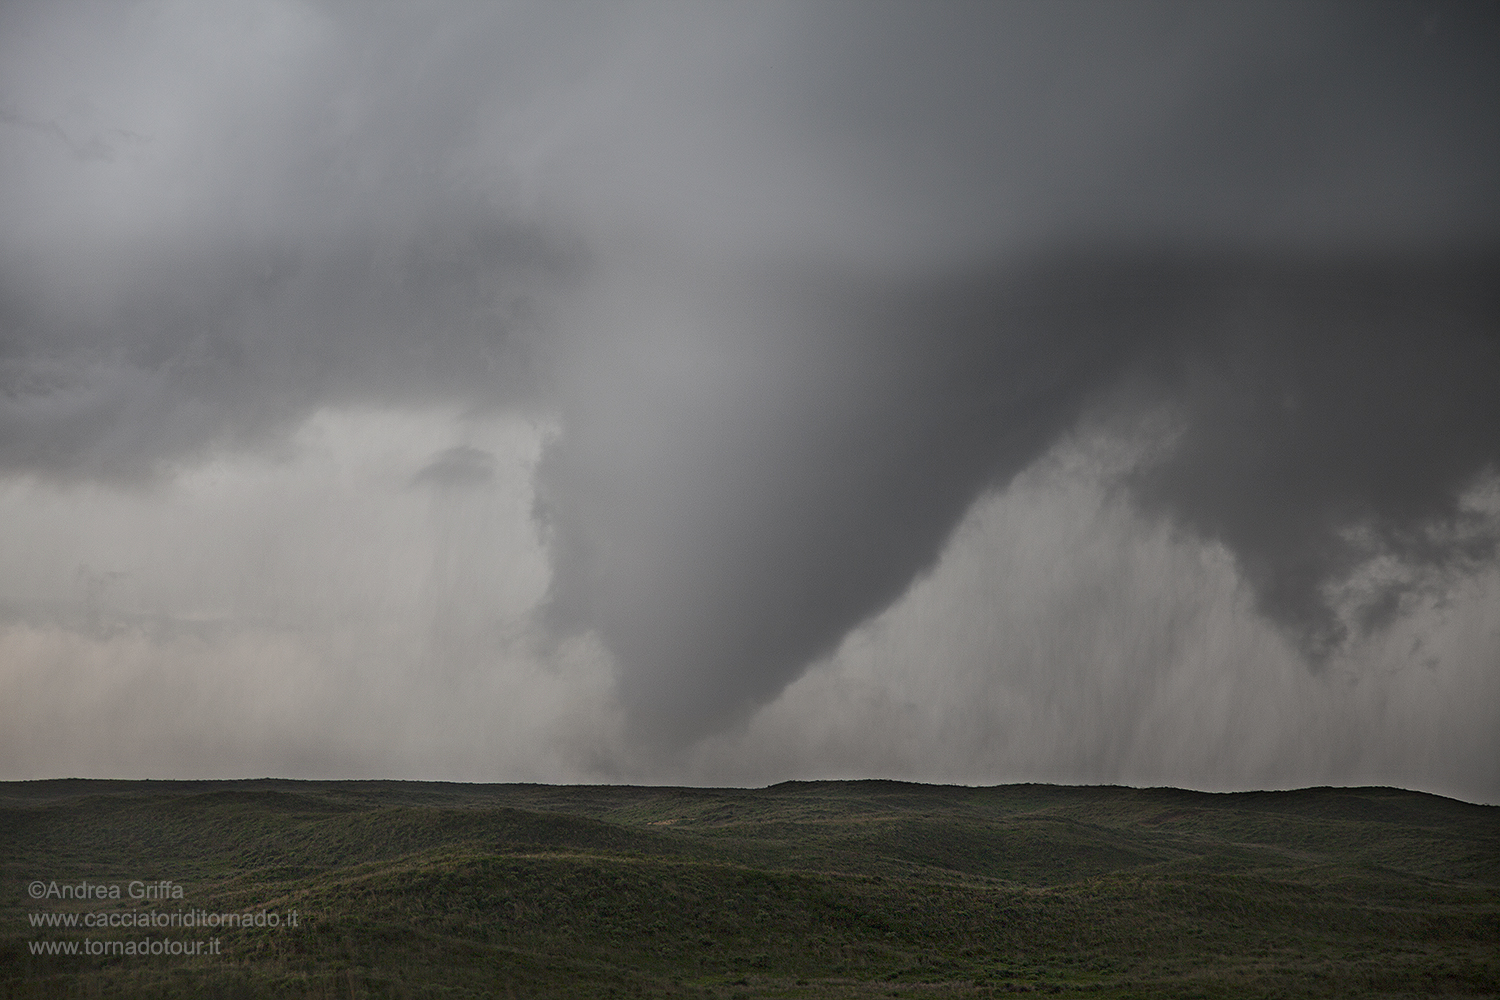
x: 804, y: 889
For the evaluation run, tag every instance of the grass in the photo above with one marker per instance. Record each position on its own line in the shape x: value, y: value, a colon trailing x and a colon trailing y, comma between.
x: 805, y: 889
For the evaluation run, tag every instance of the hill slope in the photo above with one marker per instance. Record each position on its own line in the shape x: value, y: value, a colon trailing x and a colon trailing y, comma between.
x: 805, y: 889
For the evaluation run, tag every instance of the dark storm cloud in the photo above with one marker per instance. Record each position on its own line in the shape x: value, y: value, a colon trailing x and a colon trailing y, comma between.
x: 1333, y: 413
x: 240, y: 347
x: 295, y: 228
x: 987, y: 219
x: 1253, y: 123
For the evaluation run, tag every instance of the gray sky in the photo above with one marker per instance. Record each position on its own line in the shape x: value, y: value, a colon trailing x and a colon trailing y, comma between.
x: 730, y: 393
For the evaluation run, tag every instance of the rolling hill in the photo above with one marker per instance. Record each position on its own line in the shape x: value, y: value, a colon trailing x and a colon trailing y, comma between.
x: 803, y: 889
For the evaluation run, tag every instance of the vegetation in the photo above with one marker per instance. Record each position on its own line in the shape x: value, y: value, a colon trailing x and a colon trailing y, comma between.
x: 805, y: 889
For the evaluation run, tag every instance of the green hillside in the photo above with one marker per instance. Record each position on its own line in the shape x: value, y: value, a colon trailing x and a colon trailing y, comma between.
x: 805, y: 889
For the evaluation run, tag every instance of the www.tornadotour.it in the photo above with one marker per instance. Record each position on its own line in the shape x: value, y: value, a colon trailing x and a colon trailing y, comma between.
x: 141, y: 947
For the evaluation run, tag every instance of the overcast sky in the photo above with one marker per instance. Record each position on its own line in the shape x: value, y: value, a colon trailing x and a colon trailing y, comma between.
x: 715, y: 393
